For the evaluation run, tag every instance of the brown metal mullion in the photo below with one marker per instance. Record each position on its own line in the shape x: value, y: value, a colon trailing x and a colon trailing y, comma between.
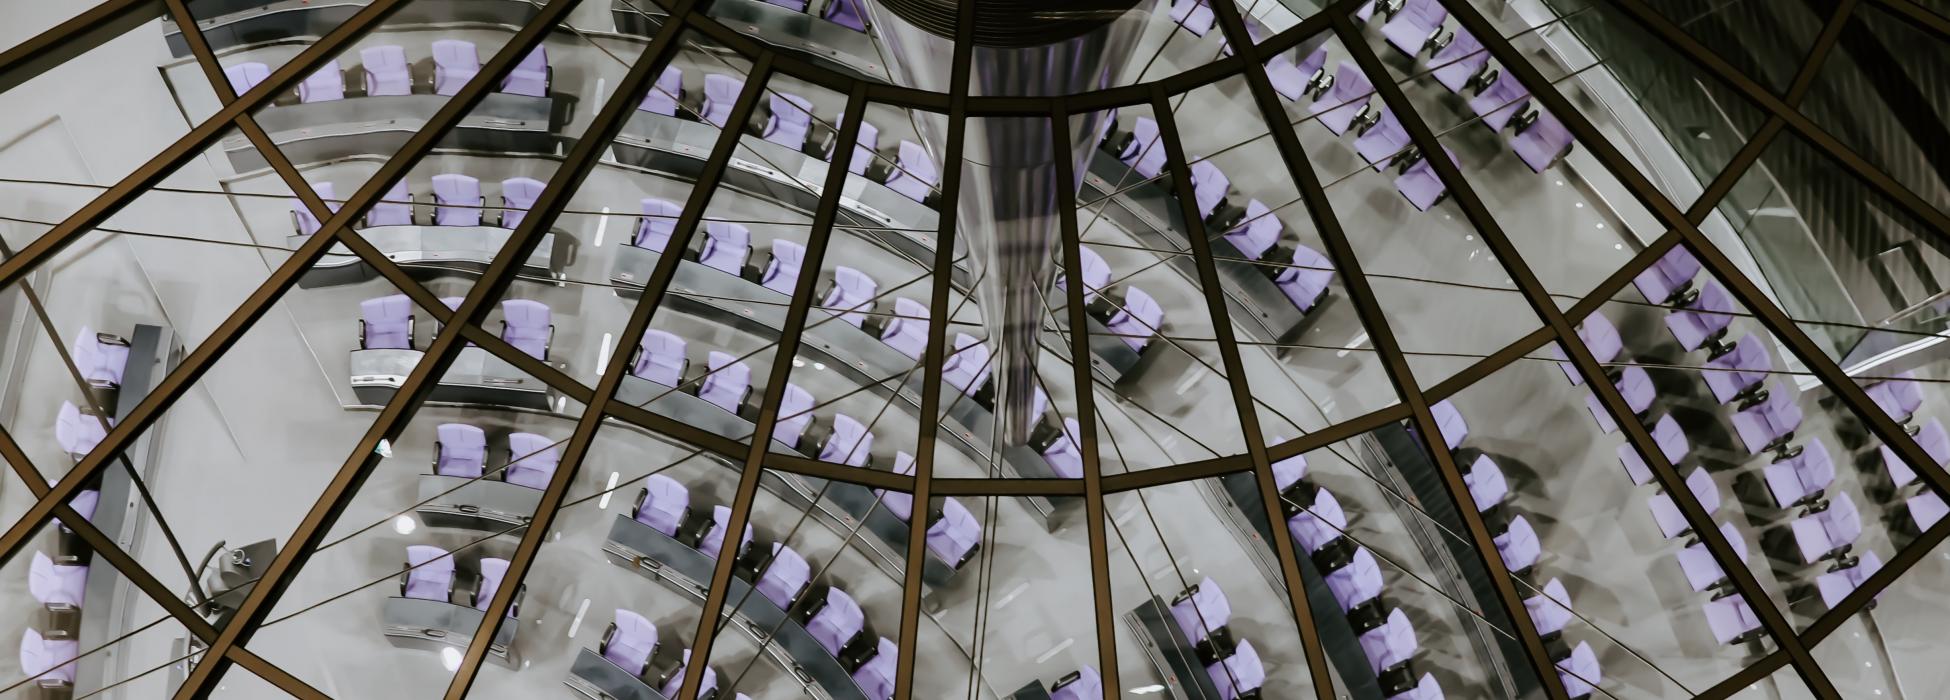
x: 302, y: 544
x: 533, y: 366
x: 1086, y: 408
x: 1511, y: 259
x: 79, y: 34
x: 1242, y: 397
x: 274, y: 675
x: 1918, y: 16
x: 800, y: 308
x: 1804, y: 77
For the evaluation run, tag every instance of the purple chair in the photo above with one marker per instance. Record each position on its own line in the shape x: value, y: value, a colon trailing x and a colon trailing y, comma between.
x: 1899, y: 396
x: 791, y: 118
x: 1666, y: 513
x: 850, y: 442
x: 1769, y: 425
x: 1392, y: 644
x: 1458, y: 64
x: 907, y: 330
x: 1672, y: 443
x: 1702, y: 571
x: 1146, y: 154
x: 518, y: 195
x: 1550, y: 609
x: 915, y: 174
x: 1289, y: 471
x: 1346, y: 101
x: 77, y: 433
x: 1925, y: 509
x: 1600, y: 337
x: 454, y: 63
x: 876, y: 676
x: 1194, y: 15
x: 658, y: 222
x: 1415, y: 26
x: 531, y: 76
x: 1830, y: 532
x: 56, y: 586
x: 84, y: 505
x: 706, y: 686
x: 1450, y: 422
x: 1065, y: 454
x: 1381, y: 142
x: 968, y: 367
x: 850, y: 295
x: 712, y: 545
x: 1095, y: 272
x: 1934, y: 441
x: 728, y: 384
x: 1418, y: 182
x: 1316, y: 526
x: 901, y: 505
x: 1799, y: 481
x: 1292, y: 79
x: 1635, y: 386
x: 1703, y: 323
x: 663, y: 504
x: 1731, y: 620
x: 865, y: 146
x: 1487, y: 486
x: 525, y: 325
x: 493, y: 572
x: 457, y: 200
x: 301, y: 217
x: 782, y: 269
x: 1239, y: 673
x: 1258, y: 233
x: 837, y: 622
x: 1836, y: 585
x: 387, y: 73
x: 1138, y: 320
x: 1541, y: 140
x: 1580, y: 672
x: 1307, y: 281
x: 1358, y: 583
x: 385, y: 323
x: 727, y: 247
x: 533, y: 459
x: 795, y: 415
x: 1201, y: 610
x: 459, y: 450
x: 1427, y: 689
x: 1737, y: 375
x: 787, y: 576
x: 245, y: 76
x: 663, y: 96
x: 1209, y: 188
x: 1501, y: 101
x: 1519, y: 545
x: 720, y: 92
x: 955, y: 534
x: 48, y: 662
x: 429, y: 574
x: 1083, y: 684
x: 660, y: 358
x: 395, y: 208
x: 1670, y: 280
x: 846, y: 13
x: 325, y: 85
x: 629, y: 642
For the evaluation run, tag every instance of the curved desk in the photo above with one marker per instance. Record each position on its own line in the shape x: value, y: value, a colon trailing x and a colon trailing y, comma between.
x: 485, y: 505
x: 440, y: 249
x: 598, y: 678
x: 477, y: 377
x: 417, y: 623
x: 834, y: 46
x: 231, y: 23
x: 685, y: 570
x: 1170, y: 651
x: 316, y: 132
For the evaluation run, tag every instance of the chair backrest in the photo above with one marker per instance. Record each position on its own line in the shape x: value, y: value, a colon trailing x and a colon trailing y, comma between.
x: 78, y: 434
x: 1204, y: 611
x: 901, y: 505
x: 1450, y: 421
x: 457, y: 200
x: 676, y: 682
x: 525, y: 325
x: 1065, y: 454
x: 493, y: 570
x: 1392, y: 643
x: 1671, y: 438
x: 908, y: 330
x: 1209, y: 186
x: 660, y: 358
x: 864, y: 147
x: 630, y: 646
x: 532, y: 460
x: 662, y: 97
x: 713, y: 543
x: 955, y: 532
x: 530, y: 77
x: 968, y: 367
x: 1356, y: 583
x: 784, y: 577
x: 45, y: 659
x: 1259, y: 232
x: 1085, y: 684
x: 791, y: 119
x: 395, y: 208
x: 1383, y: 140
x: 876, y: 676
x: 454, y: 63
x: 1580, y: 672
x: 1351, y: 87
x: 1289, y: 470
x: 1238, y: 673
x: 1550, y: 609
x: 245, y: 76
x: 324, y: 85
x: 1935, y: 441
x: 84, y: 505
x: 305, y: 222
x: 1425, y: 13
x: 782, y: 271
x: 1308, y: 279
x: 1729, y: 618
x: 388, y: 322
x: 850, y: 442
x: 846, y: 13
x: 1138, y: 320
x: 518, y: 195
x: 1455, y: 64
x: 1096, y: 273
x: 720, y: 91
x: 852, y: 293
x: 1714, y: 306
x: 726, y: 384
x: 1815, y: 466
x: 1601, y: 336
x: 53, y: 584
x: 1519, y: 545
x: 795, y: 413
x: 462, y: 450
x: 1542, y: 142
x: 915, y: 174
x: 836, y: 624
x: 387, y: 73
x: 726, y: 246
x: 665, y: 501
x: 432, y: 574
x: 1147, y: 153
x: 1842, y: 520
x: 659, y: 221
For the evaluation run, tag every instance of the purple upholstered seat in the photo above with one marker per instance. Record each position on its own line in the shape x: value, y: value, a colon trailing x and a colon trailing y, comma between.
x: 1579, y: 671
x: 864, y: 148
x: 525, y: 325
x: 51, y: 661
x: 795, y: 414
x: 395, y: 208
x: 387, y: 73
x: 1668, y: 278
x: 785, y: 577
x: 790, y: 120
x: 851, y: 295
x: 1541, y: 141
x: 456, y: 200
x: 1666, y: 513
x: 1519, y: 545
x: 1800, y: 479
x: 1768, y: 424
x: 1456, y: 64
x: 1899, y: 396
x: 1346, y: 100
x: 1836, y: 585
x: 1731, y: 620
x: 386, y: 322
x: 324, y: 85
x: 431, y: 573
x: 712, y: 545
x: 1209, y: 187
x: 1925, y: 509
x: 1550, y: 609
x: 84, y: 505
x: 705, y: 686
x: 955, y: 533
x: 660, y: 358
x: 1146, y: 153
x: 665, y: 502
x: 720, y: 92
x: 1238, y: 673
x: 1450, y: 422
x: 1380, y: 143
x: 1204, y: 611
x: 245, y: 76
x: 518, y: 195
x: 302, y: 219
x: 1703, y: 322
x: 658, y: 222
x: 782, y: 269
x: 1392, y: 644
x: 727, y: 383
x: 1415, y: 25
x: 77, y: 433
x: 1194, y: 15
x: 1934, y: 441
x: 1635, y: 387
x: 1085, y: 684
x: 1425, y: 689
x: 1738, y: 374
x: 1702, y: 571
x: 1672, y: 443
x: 837, y: 623
x: 1829, y: 532
x: 1065, y: 454
x: 1258, y: 233
x: 1138, y: 320
x: 876, y: 676
x: 1318, y: 524
x: 1501, y: 101
x: 459, y: 450
x: 1419, y: 182
x: 1288, y: 471
x: 493, y: 572
x: 968, y: 366
x: 1307, y: 280
x: 662, y: 97
x: 915, y: 173
x: 454, y: 63
x: 630, y: 641
x: 532, y: 460
x: 907, y: 330
x: 726, y: 247
x: 1600, y: 337
x: 901, y: 505
x: 1358, y: 582
x: 846, y: 13
x: 1487, y: 485
x: 1095, y: 273
x: 850, y: 443
x: 54, y: 584
x: 531, y: 76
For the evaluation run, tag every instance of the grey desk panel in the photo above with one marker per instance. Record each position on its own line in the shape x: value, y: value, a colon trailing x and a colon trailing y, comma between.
x: 1033, y: 691
x: 476, y: 377
x: 824, y: 42
x: 645, y: 550
x: 860, y: 503
x: 232, y: 23
x: 322, y: 131
x: 440, y: 249
x: 486, y: 505
x: 416, y: 623
x: 597, y: 678
x: 1111, y: 359
x: 377, y: 374
x: 1170, y: 651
